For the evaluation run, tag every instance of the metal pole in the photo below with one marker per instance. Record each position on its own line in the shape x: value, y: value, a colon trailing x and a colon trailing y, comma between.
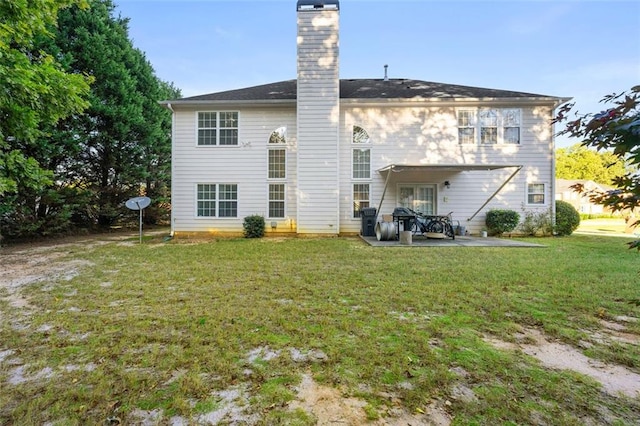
x: 138, y: 204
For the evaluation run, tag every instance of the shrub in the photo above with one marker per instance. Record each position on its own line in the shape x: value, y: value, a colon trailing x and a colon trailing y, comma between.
x: 501, y: 221
x: 536, y: 222
x: 567, y: 218
x: 254, y: 226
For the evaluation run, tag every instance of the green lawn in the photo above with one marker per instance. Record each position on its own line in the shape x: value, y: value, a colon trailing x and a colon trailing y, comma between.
x: 172, y: 326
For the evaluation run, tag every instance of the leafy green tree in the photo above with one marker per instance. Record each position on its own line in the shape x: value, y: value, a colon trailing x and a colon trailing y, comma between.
x: 580, y: 162
x: 36, y: 93
x: 617, y: 130
x: 118, y: 147
x: 124, y: 136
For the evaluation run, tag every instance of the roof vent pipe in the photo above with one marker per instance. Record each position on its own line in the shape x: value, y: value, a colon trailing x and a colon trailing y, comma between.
x: 386, y: 78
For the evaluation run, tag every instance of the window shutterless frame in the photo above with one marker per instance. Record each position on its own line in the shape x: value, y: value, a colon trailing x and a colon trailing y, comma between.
x: 216, y: 200
x: 217, y: 128
x: 536, y: 194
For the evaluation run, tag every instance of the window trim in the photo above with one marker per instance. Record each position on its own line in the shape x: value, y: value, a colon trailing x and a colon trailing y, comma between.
x: 363, y: 131
x: 283, y: 201
x: 415, y: 186
x: 353, y: 169
x: 284, y: 164
x: 355, y: 216
x: 217, y: 201
x: 217, y: 128
x: 501, y: 114
x: 545, y: 187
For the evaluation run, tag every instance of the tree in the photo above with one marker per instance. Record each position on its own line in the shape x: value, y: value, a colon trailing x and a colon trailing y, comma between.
x: 124, y: 136
x: 580, y: 162
x: 617, y: 130
x: 36, y: 93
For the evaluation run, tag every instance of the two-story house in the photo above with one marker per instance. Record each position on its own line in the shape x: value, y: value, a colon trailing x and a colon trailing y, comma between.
x: 309, y: 153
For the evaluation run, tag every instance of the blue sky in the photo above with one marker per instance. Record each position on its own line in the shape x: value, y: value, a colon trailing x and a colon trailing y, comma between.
x: 580, y: 49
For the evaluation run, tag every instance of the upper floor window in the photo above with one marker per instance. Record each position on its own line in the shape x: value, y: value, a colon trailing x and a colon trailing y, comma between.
x: 489, y: 126
x: 277, y: 154
x: 217, y: 128
x: 278, y: 136
x: 277, y: 164
x: 361, y: 164
x: 361, y: 159
x: 360, y: 135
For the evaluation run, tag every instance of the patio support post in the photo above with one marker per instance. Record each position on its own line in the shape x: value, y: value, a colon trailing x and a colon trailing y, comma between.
x: 495, y: 193
x: 384, y: 191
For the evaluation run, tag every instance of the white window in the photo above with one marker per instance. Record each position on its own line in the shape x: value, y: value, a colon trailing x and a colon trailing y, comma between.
x: 277, y: 169
x: 276, y: 200
x: 277, y: 155
x: 359, y: 135
x: 489, y: 126
x: 361, y: 198
x: 420, y: 198
x: 217, y: 128
x: 536, y: 194
x: 511, y: 126
x: 277, y: 163
x: 278, y: 136
x: 467, y: 126
x: 362, y: 163
x: 217, y: 200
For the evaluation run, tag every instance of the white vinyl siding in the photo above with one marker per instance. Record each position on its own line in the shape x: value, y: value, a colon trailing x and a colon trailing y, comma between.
x: 318, y: 122
x: 217, y: 128
x: 427, y: 135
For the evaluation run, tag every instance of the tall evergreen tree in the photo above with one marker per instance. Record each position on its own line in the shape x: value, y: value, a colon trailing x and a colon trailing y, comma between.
x: 36, y: 93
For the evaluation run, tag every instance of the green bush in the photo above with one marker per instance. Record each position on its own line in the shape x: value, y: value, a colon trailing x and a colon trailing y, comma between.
x: 567, y: 218
x: 500, y: 221
x: 254, y: 226
x: 535, y: 223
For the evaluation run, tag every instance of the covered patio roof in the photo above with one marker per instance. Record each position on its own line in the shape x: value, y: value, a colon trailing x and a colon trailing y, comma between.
x: 443, y: 167
x: 399, y: 168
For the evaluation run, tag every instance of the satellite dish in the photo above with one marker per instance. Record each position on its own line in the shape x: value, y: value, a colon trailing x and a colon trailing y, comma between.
x: 138, y: 203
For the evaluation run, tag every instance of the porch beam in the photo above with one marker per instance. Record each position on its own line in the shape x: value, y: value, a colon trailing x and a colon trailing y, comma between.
x: 384, y: 191
x: 495, y: 193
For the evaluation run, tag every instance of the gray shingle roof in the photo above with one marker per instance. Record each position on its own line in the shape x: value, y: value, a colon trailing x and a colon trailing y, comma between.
x: 367, y: 89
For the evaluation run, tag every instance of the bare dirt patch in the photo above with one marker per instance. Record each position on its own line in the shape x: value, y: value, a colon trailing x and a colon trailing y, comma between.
x: 616, y: 380
x: 330, y: 406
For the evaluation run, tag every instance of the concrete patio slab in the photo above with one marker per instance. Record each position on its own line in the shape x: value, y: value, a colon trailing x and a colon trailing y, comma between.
x: 460, y: 241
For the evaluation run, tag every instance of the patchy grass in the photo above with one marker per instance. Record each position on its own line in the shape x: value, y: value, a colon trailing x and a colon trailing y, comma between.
x: 224, y: 330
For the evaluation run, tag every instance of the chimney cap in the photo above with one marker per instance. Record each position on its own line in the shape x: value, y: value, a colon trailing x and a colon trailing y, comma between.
x: 311, y: 5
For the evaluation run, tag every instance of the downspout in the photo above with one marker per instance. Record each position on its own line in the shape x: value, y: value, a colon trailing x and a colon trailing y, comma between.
x: 173, y: 129
x: 495, y: 193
